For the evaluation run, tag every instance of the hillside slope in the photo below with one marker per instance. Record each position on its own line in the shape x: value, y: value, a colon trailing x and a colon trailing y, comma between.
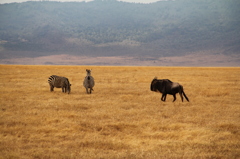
x: 112, y: 28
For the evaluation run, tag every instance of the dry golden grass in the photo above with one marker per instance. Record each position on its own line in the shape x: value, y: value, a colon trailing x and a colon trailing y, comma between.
x: 122, y: 118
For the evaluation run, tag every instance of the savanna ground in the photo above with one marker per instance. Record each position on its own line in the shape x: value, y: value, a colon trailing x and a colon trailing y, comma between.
x: 122, y: 118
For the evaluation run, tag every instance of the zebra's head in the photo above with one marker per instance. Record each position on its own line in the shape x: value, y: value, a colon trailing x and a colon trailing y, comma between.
x: 88, y: 72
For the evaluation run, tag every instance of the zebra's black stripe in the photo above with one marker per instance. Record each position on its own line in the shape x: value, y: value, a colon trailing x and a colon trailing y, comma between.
x: 88, y: 82
x: 59, y: 82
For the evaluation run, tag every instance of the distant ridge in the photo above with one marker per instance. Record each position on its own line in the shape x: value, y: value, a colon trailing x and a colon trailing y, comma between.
x: 114, y: 28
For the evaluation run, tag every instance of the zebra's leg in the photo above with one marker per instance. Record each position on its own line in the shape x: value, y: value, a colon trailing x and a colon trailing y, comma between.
x: 51, y: 88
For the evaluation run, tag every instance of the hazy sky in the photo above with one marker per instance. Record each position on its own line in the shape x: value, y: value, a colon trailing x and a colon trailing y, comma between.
x: 137, y: 1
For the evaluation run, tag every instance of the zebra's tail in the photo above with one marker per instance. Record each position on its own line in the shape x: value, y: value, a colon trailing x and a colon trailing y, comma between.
x: 90, y: 84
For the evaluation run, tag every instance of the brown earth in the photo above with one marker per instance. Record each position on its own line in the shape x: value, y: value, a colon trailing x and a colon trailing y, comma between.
x: 194, y: 59
x: 122, y: 118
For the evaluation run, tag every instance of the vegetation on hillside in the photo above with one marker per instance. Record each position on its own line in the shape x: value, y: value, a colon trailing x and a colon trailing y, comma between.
x: 165, y: 27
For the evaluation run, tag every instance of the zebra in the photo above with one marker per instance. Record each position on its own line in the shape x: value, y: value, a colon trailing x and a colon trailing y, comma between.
x: 88, y: 82
x: 59, y: 82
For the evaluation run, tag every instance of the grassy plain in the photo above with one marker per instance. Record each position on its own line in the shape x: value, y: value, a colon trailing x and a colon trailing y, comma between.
x: 122, y: 118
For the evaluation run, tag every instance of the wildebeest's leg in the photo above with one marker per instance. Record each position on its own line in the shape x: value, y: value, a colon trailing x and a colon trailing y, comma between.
x: 63, y: 89
x: 185, y: 96
x: 181, y: 96
x: 90, y: 90
x: 181, y: 92
x: 174, y: 96
x: 164, y: 97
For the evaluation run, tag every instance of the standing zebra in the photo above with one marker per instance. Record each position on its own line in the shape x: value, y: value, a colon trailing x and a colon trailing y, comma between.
x: 88, y: 82
x: 59, y: 82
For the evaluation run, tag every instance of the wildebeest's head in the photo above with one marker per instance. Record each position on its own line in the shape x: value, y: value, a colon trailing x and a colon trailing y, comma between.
x: 153, y: 86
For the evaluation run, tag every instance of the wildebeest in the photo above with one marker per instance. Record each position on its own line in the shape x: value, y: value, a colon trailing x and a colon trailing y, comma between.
x: 165, y: 86
x: 59, y: 82
x: 88, y: 82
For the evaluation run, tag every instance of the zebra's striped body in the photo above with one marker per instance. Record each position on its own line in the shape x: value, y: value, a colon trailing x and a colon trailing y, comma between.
x: 88, y: 82
x: 59, y: 82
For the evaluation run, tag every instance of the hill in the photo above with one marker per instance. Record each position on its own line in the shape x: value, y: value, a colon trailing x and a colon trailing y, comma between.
x: 113, y: 28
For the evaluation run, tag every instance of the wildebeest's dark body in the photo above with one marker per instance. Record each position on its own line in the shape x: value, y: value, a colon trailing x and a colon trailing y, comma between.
x: 165, y: 86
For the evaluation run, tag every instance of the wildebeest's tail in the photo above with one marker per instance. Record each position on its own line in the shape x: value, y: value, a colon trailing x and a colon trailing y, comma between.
x: 185, y: 96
